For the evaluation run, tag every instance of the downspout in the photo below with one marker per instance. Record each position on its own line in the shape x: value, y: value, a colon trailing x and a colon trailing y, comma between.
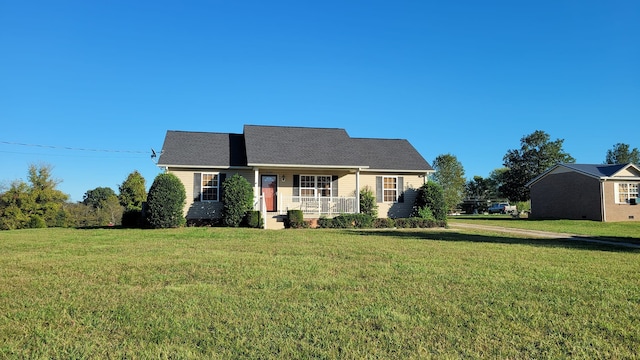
x: 603, y: 207
x: 358, y: 191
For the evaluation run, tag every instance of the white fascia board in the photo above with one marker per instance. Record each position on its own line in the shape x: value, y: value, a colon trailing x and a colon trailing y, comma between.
x: 401, y: 171
x: 202, y: 166
x: 301, y: 166
x: 621, y: 178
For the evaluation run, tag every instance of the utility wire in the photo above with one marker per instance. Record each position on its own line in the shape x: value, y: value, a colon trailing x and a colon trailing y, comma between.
x: 75, y: 148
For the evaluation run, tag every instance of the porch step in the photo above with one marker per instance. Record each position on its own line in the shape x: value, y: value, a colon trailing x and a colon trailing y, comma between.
x: 275, y: 221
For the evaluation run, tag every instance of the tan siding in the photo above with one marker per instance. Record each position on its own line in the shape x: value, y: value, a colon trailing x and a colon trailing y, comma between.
x: 394, y: 210
x: 346, y: 188
x: 204, y: 209
x: 618, y: 212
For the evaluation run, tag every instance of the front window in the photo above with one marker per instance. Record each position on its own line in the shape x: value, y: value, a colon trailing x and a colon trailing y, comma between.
x: 307, y: 186
x: 210, y: 187
x: 323, y: 183
x: 625, y: 192
x: 390, y: 188
x: 315, y: 186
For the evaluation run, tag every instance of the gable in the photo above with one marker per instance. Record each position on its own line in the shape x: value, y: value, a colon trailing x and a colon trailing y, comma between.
x: 629, y: 171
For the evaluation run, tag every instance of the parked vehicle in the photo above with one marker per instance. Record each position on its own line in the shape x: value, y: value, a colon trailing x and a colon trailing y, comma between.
x: 502, y: 208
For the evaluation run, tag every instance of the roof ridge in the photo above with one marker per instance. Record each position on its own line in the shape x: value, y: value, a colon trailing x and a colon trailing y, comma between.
x: 296, y: 127
x: 373, y: 138
x: 204, y: 132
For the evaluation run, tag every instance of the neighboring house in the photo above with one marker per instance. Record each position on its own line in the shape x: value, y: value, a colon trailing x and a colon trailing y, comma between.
x: 317, y: 170
x: 583, y: 191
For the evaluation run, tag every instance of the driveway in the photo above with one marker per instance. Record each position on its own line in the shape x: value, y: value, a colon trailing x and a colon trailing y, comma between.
x: 541, y: 234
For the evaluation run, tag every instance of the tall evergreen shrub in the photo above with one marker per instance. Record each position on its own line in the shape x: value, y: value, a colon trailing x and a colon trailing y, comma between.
x: 237, y: 200
x: 166, y: 201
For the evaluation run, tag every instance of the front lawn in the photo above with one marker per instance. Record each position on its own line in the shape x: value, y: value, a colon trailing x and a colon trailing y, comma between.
x: 246, y: 293
x: 628, y: 231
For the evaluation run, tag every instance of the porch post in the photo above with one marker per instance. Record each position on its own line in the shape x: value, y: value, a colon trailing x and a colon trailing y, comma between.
x: 256, y: 188
x: 358, y: 191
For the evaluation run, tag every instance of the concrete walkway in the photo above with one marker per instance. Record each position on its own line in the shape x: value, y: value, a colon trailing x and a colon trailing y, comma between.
x: 542, y: 234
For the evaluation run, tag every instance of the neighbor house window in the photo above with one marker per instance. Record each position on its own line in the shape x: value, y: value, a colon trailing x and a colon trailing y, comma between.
x: 625, y: 192
x: 315, y: 185
x: 390, y: 188
x: 210, y: 187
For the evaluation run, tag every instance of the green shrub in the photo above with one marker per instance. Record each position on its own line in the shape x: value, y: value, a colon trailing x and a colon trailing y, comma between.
x: 348, y: 221
x: 325, y: 223
x: 132, y: 218
x: 383, y: 223
x: 37, y: 222
x: 237, y: 200
x: 253, y: 219
x: 430, y: 195
x: 295, y: 220
x: 426, y: 213
x: 368, y: 202
x: 165, y: 202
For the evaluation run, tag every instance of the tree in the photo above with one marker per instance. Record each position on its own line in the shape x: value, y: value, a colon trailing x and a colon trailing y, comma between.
x: 237, y: 199
x: 104, y: 204
x: 133, y: 191
x: 450, y: 175
x: 97, y: 197
x: 495, y: 182
x: 165, y: 201
x: 25, y: 205
x: 620, y: 154
x: 536, y: 154
x: 477, y: 189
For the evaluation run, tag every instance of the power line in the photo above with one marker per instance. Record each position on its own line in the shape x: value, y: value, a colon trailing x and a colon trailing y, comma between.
x: 75, y: 148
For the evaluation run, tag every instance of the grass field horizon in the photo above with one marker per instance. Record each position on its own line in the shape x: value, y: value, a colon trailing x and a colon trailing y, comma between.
x: 246, y: 293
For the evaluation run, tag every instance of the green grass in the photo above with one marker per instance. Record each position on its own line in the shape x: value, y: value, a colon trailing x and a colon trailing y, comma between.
x: 628, y: 231
x: 243, y: 293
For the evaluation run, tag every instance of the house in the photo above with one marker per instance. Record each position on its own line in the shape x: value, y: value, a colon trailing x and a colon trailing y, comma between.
x: 583, y: 191
x: 317, y: 170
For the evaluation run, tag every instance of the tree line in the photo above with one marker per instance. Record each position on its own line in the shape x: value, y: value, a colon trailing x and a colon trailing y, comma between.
x: 38, y: 203
x: 536, y: 154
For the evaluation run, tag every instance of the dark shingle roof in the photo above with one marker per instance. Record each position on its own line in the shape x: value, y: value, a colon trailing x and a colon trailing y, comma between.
x: 598, y: 170
x: 389, y: 154
x: 187, y: 148
x: 286, y: 145
x: 289, y: 146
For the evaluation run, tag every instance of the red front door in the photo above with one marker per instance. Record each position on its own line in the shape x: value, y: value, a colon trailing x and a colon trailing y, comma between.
x: 269, y: 185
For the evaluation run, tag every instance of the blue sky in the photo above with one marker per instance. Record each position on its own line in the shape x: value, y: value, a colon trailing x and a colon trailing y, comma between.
x: 469, y: 78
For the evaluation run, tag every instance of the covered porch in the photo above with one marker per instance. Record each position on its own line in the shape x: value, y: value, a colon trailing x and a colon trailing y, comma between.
x: 314, y: 191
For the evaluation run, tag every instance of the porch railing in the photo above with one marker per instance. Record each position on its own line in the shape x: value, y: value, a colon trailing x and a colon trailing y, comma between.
x: 328, y: 206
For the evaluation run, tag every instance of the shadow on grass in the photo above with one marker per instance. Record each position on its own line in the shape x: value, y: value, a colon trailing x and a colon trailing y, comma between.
x: 454, y: 236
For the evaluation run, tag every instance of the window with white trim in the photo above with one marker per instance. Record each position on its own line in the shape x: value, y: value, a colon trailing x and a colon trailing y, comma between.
x: 315, y: 186
x: 390, y: 188
x: 625, y: 192
x: 210, y: 187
